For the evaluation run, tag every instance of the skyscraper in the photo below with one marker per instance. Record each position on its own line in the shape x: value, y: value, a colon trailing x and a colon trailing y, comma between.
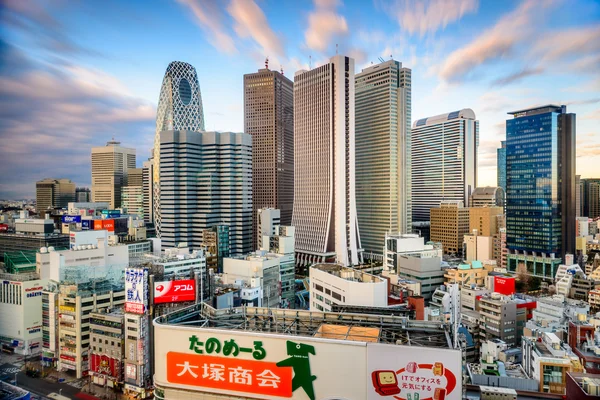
x: 269, y: 119
x: 540, y: 183
x: 206, y: 180
x: 444, y: 160
x: 383, y: 173
x: 179, y: 108
x: 109, y: 172
x: 591, y: 197
x: 501, y: 162
x: 132, y: 196
x: 53, y: 193
x: 324, y: 193
x: 148, y: 190
x: 578, y: 197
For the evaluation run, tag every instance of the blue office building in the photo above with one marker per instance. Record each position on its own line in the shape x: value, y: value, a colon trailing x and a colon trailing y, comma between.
x: 540, y: 195
x: 502, y: 166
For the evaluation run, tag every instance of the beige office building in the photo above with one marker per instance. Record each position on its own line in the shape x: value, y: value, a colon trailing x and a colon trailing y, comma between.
x: 51, y: 193
x: 449, y: 224
x: 269, y: 119
x: 132, y: 195
x: 110, y: 165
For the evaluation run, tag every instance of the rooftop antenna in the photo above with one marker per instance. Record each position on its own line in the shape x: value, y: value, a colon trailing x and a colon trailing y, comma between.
x: 391, y: 58
x: 310, y: 62
x: 281, y: 69
x: 336, y: 49
x: 267, y: 63
x: 381, y: 59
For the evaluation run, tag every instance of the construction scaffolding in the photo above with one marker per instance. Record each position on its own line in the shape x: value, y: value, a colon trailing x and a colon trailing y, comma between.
x: 391, y: 329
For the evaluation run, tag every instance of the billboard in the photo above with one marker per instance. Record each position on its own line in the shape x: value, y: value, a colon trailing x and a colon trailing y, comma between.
x: 111, y: 213
x: 174, y: 291
x: 86, y: 224
x: 504, y: 285
x: 102, y: 364
x: 3, y: 227
x: 71, y: 219
x: 136, y: 290
x: 269, y: 366
x: 104, y: 224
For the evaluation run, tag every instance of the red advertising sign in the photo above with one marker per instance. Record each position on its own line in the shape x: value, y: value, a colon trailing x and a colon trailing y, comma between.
x: 504, y: 285
x: 104, y: 224
x: 3, y: 227
x: 174, y: 291
x: 102, y: 364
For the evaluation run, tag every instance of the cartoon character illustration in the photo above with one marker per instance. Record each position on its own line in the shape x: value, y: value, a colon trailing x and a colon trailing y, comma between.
x: 300, y: 364
x: 385, y: 382
x: 438, y: 369
x: 412, y: 367
x: 439, y: 394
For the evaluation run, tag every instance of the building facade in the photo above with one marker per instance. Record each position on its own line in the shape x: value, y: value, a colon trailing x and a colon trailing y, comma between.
x: 110, y: 165
x: 179, y: 108
x: 488, y: 196
x: 281, y: 243
x: 449, y: 225
x: 590, y: 192
x: 206, y: 180
x: 501, y: 165
x: 383, y: 149
x: 324, y: 153
x: 269, y: 119
x: 540, y: 200
x: 107, y: 347
x: 444, y: 160
x: 83, y: 195
x: 53, y: 193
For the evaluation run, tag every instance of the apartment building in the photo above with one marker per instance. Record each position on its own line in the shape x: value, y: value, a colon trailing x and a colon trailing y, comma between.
x: 499, y: 318
x: 107, y: 347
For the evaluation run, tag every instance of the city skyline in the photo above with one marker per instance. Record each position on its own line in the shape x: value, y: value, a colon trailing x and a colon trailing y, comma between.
x: 87, y: 80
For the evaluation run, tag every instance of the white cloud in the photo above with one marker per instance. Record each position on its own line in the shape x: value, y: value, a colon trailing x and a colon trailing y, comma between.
x: 423, y: 16
x: 208, y: 18
x: 324, y: 24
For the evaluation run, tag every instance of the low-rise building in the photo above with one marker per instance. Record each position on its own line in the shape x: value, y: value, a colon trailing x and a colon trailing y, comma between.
x: 583, y: 386
x: 466, y: 274
x: 499, y: 318
x: 107, y: 347
x: 260, y: 273
x: 584, y: 340
x: 281, y: 244
x: 335, y: 284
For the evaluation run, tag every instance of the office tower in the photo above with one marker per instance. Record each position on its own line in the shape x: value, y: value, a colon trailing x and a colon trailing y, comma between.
x: 109, y: 172
x: 324, y: 193
x: 206, y: 180
x: 53, y: 193
x: 383, y: 176
x: 487, y: 196
x: 83, y: 195
x: 591, y: 197
x: 501, y: 165
x: 148, y: 190
x: 133, y: 194
x: 179, y: 108
x: 540, y: 183
x: 578, y: 197
x: 449, y: 224
x: 269, y: 119
x: 444, y: 160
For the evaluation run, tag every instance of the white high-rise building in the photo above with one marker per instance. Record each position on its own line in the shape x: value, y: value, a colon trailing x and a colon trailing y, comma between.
x: 110, y: 164
x: 383, y: 143
x: 324, y: 179
x: 179, y: 108
x: 206, y: 180
x: 444, y: 160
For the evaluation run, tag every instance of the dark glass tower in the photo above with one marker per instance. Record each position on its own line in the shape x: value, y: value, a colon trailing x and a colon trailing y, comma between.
x: 540, y: 195
x: 502, y: 166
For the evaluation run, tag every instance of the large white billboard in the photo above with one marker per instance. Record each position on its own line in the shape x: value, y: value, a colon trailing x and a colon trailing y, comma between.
x: 269, y: 366
x: 136, y: 290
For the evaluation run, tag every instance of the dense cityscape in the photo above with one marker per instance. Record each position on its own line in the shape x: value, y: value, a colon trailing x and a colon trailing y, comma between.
x: 336, y: 248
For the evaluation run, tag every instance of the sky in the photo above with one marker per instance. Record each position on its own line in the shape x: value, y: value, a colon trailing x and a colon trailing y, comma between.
x: 75, y: 74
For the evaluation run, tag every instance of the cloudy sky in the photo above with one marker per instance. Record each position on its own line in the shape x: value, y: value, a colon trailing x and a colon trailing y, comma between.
x: 74, y: 74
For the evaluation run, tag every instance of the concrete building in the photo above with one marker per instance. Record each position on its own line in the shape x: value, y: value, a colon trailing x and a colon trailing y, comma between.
x: 260, y: 274
x: 148, y: 191
x: 269, y: 119
x: 548, y: 362
x: 206, y: 180
x: 488, y: 196
x: 501, y: 166
x: 383, y: 152
x: 590, y: 197
x: 484, y: 241
x: 138, y: 356
x: 30, y: 235
x: 444, y: 160
x: 499, y: 318
x: 110, y: 165
x: 540, y: 221
x: 83, y: 195
x: 583, y: 386
x: 53, y: 193
x: 132, y: 197
x: 449, y: 225
x: 281, y: 243
x: 408, y: 257
x: 267, y: 219
x: 466, y: 275
x: 75, y: 303
x: 215, y: 241
x: 324, y: 154
x: 179, y: 108
x: 552, y: 314
x: 578, y: 197
x: 106, y: 348
x: 584, y: 340
x: 336, y: 284
x: 565, y: 275
x: 499, y: 249
x: 21, y: 313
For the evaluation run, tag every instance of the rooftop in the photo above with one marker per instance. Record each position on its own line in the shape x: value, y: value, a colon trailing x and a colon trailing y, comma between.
x: 536, y: 110
x: 391, y: 329
x: 347, y: 273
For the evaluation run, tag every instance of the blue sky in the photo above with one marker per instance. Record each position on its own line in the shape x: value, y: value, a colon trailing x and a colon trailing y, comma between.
x: 75, y: 74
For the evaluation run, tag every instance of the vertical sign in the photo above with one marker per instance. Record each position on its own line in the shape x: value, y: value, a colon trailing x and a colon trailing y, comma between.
x: 136, y: 290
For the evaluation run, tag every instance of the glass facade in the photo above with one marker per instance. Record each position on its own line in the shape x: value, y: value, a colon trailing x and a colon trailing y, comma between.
x: 502, y: 166
x: 533, y: 218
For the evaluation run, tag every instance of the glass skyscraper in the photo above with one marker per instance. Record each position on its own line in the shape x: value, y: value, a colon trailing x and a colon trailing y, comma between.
x: 502, y: 166
x: 540, y: 198
x: 383, y: 173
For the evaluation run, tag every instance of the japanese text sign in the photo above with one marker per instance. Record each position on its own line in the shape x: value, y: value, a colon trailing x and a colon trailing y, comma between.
x: 136, y: 290
x: 174, y: 291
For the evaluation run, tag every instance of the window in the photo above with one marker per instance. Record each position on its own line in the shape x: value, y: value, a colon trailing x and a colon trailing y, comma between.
x: 318, y: 287
x: 336, y: 296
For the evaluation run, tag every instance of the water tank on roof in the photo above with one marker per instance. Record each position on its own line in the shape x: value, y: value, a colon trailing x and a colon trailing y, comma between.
x: 51, y: 248
x: 43, y: 249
